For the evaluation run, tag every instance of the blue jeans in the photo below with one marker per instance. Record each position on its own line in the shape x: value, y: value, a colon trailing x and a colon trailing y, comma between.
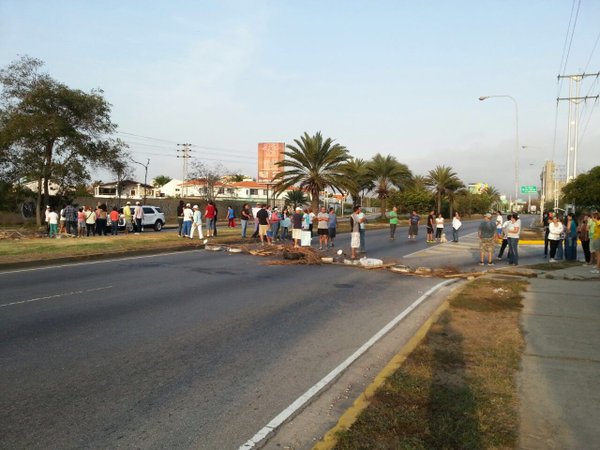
x: 362, y: 239
x: 186, y: 228
x: 560, y: 249
x: 571, y: 248
x: 454, y: 234
x: 244, y: 227
x: 114, y: 227
x: 513, y: 251
x: 274, y: 229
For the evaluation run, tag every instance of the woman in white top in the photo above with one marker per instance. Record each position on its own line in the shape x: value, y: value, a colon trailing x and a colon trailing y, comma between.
x: 555, y: 229
x: 456, y: 224
x: 439, y: 227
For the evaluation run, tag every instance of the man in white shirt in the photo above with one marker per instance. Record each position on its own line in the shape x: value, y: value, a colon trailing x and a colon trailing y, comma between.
x: 362, y: 222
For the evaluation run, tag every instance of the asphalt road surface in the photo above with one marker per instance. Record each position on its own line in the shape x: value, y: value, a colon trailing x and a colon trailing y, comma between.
x: 183, y: 350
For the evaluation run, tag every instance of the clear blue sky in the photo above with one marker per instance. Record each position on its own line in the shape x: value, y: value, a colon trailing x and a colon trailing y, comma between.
x: 392, y: 77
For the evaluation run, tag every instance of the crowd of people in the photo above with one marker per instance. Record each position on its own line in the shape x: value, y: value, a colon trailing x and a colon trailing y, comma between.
x: 80, y: 221
x: 269, y: 224
x: 562, y: 234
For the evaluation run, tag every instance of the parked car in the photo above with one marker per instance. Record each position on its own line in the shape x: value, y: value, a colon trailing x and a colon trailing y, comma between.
x: 154, y: 217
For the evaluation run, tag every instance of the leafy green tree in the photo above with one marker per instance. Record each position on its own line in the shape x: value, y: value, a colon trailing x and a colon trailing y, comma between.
x: 237, y: 177
x: 443, y: 182
x: 295, y: 198
x: 412, y: 200
x: 387, y: 172
x: 50, y: 132
x: 357, y: 178
x: 160, y: 180
x: 313, y: 164
x: 584, y: 190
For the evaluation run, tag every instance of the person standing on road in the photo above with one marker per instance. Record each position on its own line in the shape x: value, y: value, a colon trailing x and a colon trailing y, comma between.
x: 439, y: 227
x: 504, y: 238
x: 332, y: 225
x: 595, y: 240
x: 90, y: 221
x: 128, y: 216
x: 362, y: 225
x: 571, y: 238
x: 513, y: 233
x: 323, y: 228
x: 114, y: 221
x: 499, y: 223
x: 188, y: 216
x: 52, y: 222
x: 355, y: 231
x: 209, y: 215
x: 81, y: 222
x: 555, y: 229
x: 196, y: 223
x: 487, y: 239
x: 101, y: 216
x: 393, y: 215
x: 583, y: 232
x: 245, y: 216
x: 430, y: 226
x: 263, y: 223
x: 275, y: 223
x: 180, y: 208
x: 297, y: 222
x: 138, y: 216
x: 546, y: 219
x: 71, y: 219
x: 311, y: 219
x: 230, y: 217
x: 456, y: 224
x: 413, y: 227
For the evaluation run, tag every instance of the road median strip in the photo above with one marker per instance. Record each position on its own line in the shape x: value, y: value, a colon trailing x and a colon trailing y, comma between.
x: 453, y: 385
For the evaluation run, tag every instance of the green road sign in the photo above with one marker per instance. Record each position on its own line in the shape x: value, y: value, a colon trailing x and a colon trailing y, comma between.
x: 528, y: 189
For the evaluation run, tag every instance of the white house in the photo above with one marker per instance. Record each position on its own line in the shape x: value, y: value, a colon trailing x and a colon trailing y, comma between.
x: 129, y: 189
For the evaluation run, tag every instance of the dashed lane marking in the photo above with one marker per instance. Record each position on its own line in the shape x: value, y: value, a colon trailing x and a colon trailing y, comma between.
x: 49, y: 297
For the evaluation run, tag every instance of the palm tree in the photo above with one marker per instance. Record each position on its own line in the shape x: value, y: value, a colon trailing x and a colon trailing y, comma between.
x: 418, y: 183
x: 494, y: 196
x: 313, y: 164
x: 295, y: 198
x: 387, y: 172
x: 358, y: 178
x: 443, y: 181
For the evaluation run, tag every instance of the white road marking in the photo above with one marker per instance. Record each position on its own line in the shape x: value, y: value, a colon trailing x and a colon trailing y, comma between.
x: 102, y: 261
x: 64, y: 294
x: 314, y: 390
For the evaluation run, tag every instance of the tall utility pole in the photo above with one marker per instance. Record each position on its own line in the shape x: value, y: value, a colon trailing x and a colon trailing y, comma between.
x: 145, y: 166
x: 185, y: 155
x: 573, y: 126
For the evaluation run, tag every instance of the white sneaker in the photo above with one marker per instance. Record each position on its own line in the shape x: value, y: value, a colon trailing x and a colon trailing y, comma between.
x: 552, y: 260
x: 595, y: 271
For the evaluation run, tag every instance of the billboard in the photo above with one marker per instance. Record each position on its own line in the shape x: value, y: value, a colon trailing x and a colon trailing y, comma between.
x: 269, y: 153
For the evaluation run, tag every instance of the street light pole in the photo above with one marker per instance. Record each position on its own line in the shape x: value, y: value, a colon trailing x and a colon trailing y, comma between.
x: 145, y: 166
x: 485, y: 97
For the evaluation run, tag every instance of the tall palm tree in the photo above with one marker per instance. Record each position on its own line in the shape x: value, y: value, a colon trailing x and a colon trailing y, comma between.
x: 386, y: 172
x: 443, y: 181
x: 313, y: 164
x: 418, y: 183
x: 357, y: 178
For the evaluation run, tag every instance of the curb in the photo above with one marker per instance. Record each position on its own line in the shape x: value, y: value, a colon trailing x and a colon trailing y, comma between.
x: 363, y: 401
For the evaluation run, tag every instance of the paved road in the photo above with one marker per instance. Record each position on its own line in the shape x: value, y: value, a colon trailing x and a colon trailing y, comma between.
x: 176, y: 351
x: 186, y: 350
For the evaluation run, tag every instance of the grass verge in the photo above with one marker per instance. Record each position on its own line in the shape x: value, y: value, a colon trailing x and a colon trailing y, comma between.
x: 458, y: 388
x: 548, y: 266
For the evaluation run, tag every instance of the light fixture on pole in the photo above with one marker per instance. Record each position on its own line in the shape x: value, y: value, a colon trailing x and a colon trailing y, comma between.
x: 485, y: 97
x: 145, y: 166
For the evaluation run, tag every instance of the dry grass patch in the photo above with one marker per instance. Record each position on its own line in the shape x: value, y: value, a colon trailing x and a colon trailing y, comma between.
x: 457, y: 389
